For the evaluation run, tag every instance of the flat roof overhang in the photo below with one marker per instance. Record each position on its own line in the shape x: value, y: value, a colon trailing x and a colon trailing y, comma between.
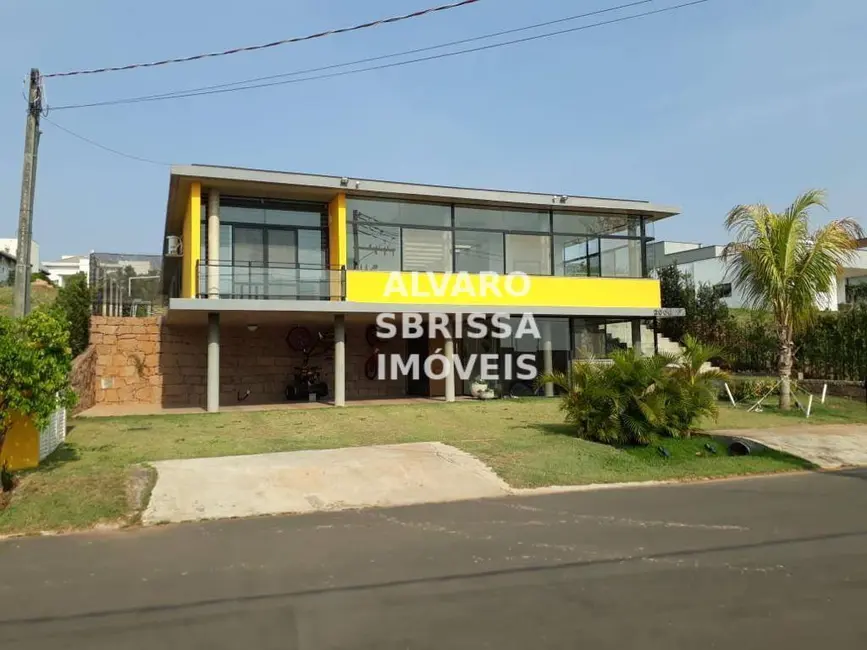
x: 194, y: 311
x: 315, y: 187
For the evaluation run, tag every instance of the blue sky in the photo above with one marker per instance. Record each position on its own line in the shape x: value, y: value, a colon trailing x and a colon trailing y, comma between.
x: 732, y: 101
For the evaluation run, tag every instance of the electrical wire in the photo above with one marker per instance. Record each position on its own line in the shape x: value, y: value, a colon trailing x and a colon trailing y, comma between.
x: 264, y: 46
x: 295, y: 73
x: 396, y: 64
x: 105, y: 148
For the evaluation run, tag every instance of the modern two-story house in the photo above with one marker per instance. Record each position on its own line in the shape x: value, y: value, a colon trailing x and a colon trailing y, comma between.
x: 262, y: 253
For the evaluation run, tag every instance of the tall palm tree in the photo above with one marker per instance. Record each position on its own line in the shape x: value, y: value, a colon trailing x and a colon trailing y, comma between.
x: 781, y: 266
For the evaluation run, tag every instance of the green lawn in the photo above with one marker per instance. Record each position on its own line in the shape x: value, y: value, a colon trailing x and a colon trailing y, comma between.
x: 524, y: 441
x: 39, y: 295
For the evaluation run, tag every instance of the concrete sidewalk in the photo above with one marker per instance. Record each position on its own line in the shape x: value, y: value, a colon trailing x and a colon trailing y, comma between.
x: 831, y: 446
x: 309, y: 481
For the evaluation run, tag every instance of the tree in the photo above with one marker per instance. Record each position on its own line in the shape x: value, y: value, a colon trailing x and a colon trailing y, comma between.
x: 711, y: 320
x: 781, y: 266
x: 35, y: 360
x: 74, y: 300
x: 678, y: 292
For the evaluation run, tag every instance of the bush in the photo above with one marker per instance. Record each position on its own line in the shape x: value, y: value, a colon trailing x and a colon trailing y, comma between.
x: 35, y: 360
x: 835, y: 346
x: 74, y: 302
x: 634, y: 398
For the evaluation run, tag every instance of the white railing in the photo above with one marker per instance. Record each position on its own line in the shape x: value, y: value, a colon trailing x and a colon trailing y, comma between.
x: 53, y: 434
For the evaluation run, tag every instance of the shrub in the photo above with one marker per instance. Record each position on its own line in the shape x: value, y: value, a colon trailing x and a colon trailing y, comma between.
x: 74, y: 301
x: 35, y: 360
x: 693, y: 388
x: 633, y: 398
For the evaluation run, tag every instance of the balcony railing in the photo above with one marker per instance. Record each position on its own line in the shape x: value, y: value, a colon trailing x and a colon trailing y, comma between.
x: 271, y: 281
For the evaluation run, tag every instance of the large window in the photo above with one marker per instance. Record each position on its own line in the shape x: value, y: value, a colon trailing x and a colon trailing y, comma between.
x: 602, y: 245
x: 427, y: 250
x: 398, y: 212
x: 479, y: 252
x: 398, y: 235
x: 505, y: 220
x: 530, y: 254
x: 373, y: 248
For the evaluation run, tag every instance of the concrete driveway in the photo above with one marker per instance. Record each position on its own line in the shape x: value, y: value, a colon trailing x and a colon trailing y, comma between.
x: 308, y: 481
x: 831, y: 446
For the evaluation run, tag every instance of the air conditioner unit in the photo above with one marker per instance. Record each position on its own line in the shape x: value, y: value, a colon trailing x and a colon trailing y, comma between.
x: 174, y: 246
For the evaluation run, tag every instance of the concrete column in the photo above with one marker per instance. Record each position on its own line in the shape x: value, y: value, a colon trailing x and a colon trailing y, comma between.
x: 213, y: 363
x: 636, y: 338
x: 213, y: 275
x: 339, y: 360
x: 634, y: 230
x: 547, y: 356
x: 449, y: 351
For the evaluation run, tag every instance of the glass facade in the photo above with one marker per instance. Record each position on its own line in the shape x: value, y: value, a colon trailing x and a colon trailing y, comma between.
x: 273, y: 249
x: 503, y: 220
x: 269, y: 249
x: 408, y: 236
x: 571, y: 339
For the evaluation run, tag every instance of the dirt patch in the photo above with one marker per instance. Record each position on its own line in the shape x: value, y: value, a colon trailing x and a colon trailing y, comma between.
x: 140, y: 484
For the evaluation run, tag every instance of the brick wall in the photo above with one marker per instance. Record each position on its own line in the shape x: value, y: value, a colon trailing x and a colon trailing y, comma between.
x: 144, y: 361
x: 83, y: 379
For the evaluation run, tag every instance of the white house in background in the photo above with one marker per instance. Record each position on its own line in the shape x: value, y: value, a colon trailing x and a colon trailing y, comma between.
x: 66, y: 266
x: 7, y: 267
x: 10, y: 247
x: 705, y: 265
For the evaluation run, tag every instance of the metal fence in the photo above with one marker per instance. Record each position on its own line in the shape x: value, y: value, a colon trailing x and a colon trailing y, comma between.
x: 53, y: 434
x: 126, y: 284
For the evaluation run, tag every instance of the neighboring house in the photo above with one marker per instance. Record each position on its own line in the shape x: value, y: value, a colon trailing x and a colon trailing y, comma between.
x: 66, y: 266
x: 705, y: 265
x: 265, y: 252
x: 10, y: 247
x: 7, y: 268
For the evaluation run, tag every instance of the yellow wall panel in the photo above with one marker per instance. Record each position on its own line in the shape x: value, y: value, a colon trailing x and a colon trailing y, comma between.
x: 477, y: 290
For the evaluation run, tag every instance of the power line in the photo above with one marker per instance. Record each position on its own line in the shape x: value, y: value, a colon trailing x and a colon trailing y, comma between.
x: 105, y: 148
x: 295, y: 73
x: 264, y: 46
x: 198, y: 93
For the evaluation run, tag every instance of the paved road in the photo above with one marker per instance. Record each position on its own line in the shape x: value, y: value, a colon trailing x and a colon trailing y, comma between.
x: 779, y: 562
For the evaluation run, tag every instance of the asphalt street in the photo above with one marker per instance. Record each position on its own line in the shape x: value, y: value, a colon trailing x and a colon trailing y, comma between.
x: 753, y: 563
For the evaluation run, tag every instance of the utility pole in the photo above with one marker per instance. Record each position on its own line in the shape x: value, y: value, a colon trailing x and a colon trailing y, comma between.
x: 28, y: 183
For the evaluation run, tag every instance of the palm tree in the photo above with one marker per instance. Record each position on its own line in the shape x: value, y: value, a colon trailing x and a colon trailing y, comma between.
x: 781, y: 266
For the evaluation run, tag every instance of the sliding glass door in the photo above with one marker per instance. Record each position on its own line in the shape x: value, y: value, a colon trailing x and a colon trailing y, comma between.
x: 282, y: 255
x: 248, y: 255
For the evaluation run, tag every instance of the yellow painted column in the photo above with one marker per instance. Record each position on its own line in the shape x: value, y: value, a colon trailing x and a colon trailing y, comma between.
x: 336, y: 241
x: 192, y: 238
